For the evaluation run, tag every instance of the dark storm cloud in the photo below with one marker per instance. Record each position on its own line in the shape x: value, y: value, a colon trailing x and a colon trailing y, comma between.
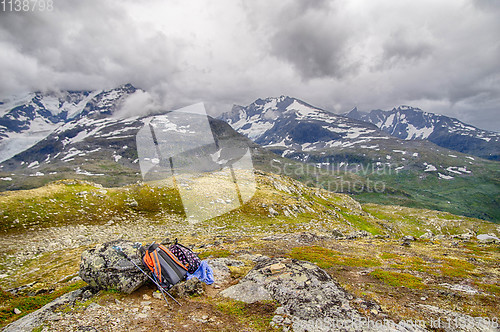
x: 79, y: 47
x: 312, y: 37
x: 313, y: 48
x: 488, y: 5
x: 402, y: 49
x: 441, y: 56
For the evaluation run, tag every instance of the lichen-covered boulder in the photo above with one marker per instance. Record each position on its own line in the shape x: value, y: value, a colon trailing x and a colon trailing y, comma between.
x: 191, y: 287
x: 309, y: 299
x: 104, y: 268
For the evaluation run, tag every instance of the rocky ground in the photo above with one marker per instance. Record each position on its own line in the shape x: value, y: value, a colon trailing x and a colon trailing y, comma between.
x: 371, y: 262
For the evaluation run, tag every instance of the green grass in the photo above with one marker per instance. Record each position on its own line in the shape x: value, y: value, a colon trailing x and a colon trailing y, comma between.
x: 219, y: 253
x: 327, y: 258
x: 29, y: 304
x: 456, y: 268
x: 492, y: 289
x: 475, y: 196
x: 257, y: 315
x: 388, y: 255
x: 397, y: 279
x: 77, y: 202
x: 360, y: 222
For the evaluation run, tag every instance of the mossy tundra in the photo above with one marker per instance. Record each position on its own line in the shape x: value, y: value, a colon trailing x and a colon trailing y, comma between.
x: 44, y: 231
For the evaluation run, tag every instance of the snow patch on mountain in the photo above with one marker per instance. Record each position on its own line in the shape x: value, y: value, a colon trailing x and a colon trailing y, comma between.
x: 9, y: 103
x: 429, y: 168
x: 286, y: 122
x: 445, y: 177
x: 411, y: 123
x: 31, y: 118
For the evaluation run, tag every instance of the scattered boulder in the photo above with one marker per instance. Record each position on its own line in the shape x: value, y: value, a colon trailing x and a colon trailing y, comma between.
x: 427, y: 235
x: 304, y: 237
x: 36, y: 318
x: 357, y: 235
x: 273, y: 212
x: 406, y: 243
x: 256, y: 258
x: 488, y: 238
x: 408, y: 238
x: 191, y: 287
x: 466, y: 236
x: 104, y: 268
x: 221, y: 271
x: 337, y: 234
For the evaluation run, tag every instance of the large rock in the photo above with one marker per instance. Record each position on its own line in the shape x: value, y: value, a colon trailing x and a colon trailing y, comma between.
x: 103, y: 268
x: 37, y: 318
x: 488, y: 238
x: 310, y: 300
x: 191, y: 287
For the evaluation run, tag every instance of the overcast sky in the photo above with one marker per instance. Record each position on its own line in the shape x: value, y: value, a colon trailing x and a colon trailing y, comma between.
x: 440, y: 55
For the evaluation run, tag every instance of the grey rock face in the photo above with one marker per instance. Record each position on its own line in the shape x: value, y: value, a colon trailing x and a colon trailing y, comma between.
x: 307, y: 294
x: 103, y: 268
x: 36, y: 318
x: 310, y: 299
x: 191, y: 287
x: 488, y: 238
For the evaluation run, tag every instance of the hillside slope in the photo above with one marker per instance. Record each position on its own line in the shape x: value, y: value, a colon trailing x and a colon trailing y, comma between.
x: 44, y: 231
x: 356, y: 157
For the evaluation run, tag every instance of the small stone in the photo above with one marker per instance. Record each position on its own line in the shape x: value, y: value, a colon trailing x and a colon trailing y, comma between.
x: 146, y: 297
x: 142, y: 315
x: 406, y: 243
x: 217, y: 286
x: 277, y: 319
x: 280, y: 311
x: 145, y: 303
x: 423, y: 298
x: 17, y: 311
x: 157, y: 295
x: 87, y: 294
x: 191, y: 287
x: 374, y: 312
x: 93, y: 306
x: 276, y: 268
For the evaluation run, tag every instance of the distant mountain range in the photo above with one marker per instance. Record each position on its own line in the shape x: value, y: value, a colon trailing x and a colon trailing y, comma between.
x: 411, y: 123
x: 300, y: 131
x: 76, y: 134
x: 27, y: 120
x: 418, y: 172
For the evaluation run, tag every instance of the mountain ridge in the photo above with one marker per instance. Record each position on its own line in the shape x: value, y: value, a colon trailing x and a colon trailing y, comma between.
x: 410, y: 123
x: 27, y: 121
x: 344, y: 151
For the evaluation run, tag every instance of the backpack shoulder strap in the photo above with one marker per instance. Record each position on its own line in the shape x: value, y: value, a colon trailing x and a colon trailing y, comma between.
x: 172, y: 256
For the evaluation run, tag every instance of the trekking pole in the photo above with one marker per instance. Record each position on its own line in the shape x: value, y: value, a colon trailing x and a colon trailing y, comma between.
x: 162, y: 291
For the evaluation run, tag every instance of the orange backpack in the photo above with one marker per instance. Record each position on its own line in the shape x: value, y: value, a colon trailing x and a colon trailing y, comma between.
x: 164, y: 265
